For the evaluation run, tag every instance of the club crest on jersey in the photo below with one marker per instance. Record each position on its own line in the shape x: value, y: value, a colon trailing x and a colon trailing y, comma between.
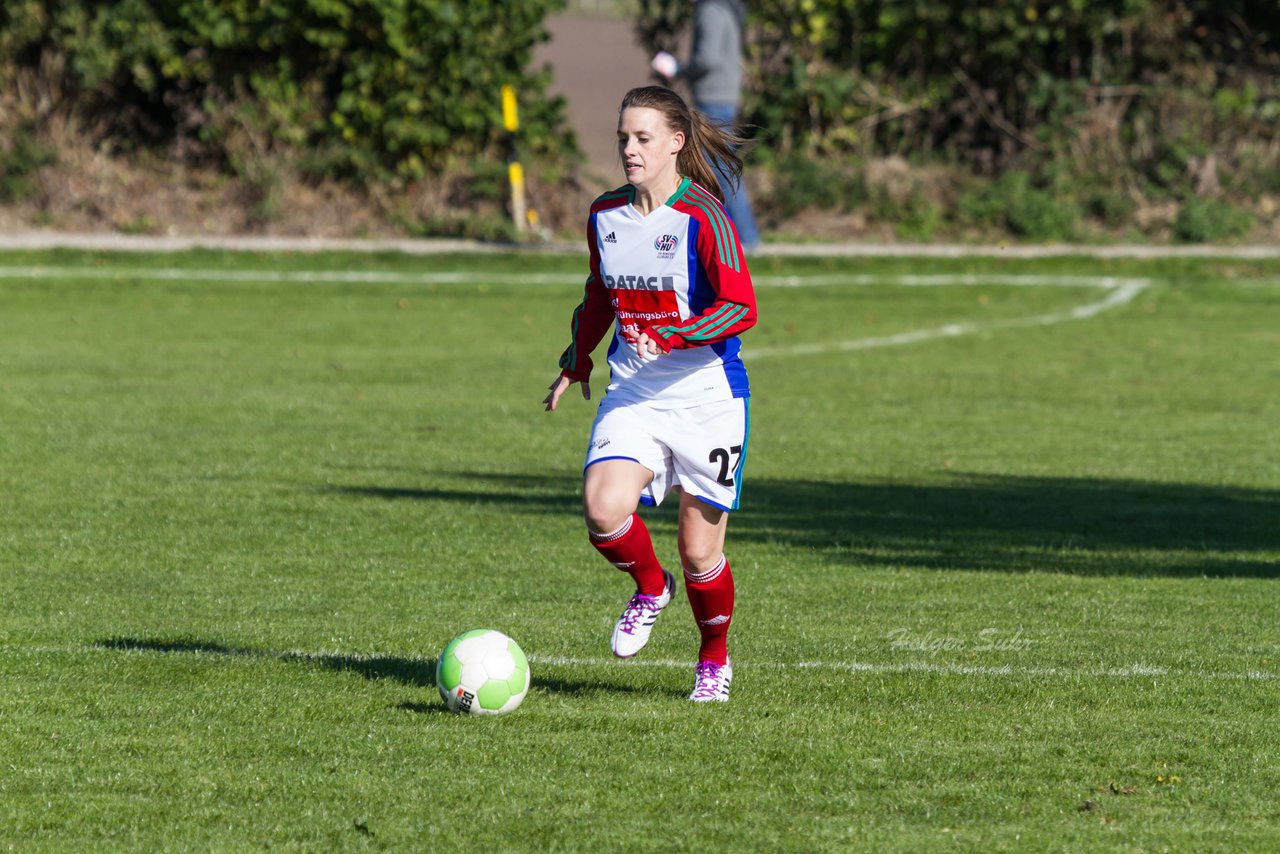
x: 666, y: 245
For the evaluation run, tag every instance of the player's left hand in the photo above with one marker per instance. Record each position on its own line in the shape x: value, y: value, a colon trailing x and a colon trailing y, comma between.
x: 647, y: 348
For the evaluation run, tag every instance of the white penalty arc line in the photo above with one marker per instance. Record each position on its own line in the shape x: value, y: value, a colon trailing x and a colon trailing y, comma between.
x: 1131, y: 671
x: 935, y: 280
x: 1121, y: 291
x: 1119, y: 295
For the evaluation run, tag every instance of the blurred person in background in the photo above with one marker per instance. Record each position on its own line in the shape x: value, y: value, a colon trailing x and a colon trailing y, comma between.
x: 714, y: 75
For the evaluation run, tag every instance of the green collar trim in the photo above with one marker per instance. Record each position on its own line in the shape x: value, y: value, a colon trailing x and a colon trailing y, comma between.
x: 680, y: 191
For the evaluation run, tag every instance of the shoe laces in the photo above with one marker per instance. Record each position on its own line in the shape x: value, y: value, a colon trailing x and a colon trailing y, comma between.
x: 635, y: 611
x: 707, y: 676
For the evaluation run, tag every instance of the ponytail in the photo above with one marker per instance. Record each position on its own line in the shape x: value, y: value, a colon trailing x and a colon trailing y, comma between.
x: 709, y: 149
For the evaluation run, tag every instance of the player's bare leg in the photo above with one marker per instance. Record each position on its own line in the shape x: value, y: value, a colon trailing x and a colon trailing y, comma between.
x: 611, y: 494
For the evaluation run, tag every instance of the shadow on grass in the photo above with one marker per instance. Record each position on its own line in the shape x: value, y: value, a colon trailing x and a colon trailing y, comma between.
x: 582, y: 687
x: 424, y: 708
x: 419, y: 673
x: 564, y: 687
x: 1019, y: 524
x: 515, y: 491
x: 967, y: 522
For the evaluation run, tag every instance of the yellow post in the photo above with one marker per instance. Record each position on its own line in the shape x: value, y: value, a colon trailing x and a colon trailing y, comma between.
x: 510, y: 115
x: 515, y: 172
x: 515, y: 175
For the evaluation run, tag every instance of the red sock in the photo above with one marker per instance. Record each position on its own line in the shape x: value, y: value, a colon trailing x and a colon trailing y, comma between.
x: 711, y: 597
x: 630, y: 549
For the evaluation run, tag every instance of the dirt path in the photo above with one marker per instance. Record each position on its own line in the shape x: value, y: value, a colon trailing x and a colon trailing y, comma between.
x: 595, y: 60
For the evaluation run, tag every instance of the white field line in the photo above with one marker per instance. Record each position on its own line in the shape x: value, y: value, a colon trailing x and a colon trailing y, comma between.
x: 1121, y: 292
x: 180, y: 274
x: 1131, y: 671
x: 942, y: 668
x: 936, y: 280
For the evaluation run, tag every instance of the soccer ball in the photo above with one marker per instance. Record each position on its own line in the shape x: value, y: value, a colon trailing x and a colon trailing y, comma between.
x: 482, y: 672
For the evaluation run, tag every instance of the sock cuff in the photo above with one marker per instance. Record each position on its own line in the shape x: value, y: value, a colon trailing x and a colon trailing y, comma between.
x: 710, y: 575
x: 600, y: 539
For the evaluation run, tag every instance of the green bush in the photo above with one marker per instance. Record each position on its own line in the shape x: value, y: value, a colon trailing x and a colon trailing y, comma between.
x: 1208, y: 220
x: 1040, y: 215
x: 21, y: 156
x: 1136, y: 90
x: 808, y: 183
x: 1042, y: 113
x: 912, y: 215
x: 1112, y: 206
x: 1006, y: 78
x: 484, y: 227
x: 379, y: 90
x: 1016, y: 205
x: 919, y: 217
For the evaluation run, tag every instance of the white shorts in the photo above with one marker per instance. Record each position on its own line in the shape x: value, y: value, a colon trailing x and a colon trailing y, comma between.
x: 700, y: 449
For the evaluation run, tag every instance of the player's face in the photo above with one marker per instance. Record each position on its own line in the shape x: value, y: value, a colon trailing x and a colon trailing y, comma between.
x: 648, y: 147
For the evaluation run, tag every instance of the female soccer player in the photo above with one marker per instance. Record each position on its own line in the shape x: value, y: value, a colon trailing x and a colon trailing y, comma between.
x: 668, y: 272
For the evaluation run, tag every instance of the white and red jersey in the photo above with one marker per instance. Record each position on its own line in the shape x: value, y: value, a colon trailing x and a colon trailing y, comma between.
x: 678, y: 274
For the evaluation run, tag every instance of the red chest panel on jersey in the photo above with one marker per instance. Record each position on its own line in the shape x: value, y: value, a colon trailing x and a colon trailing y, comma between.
x: 637, y: 309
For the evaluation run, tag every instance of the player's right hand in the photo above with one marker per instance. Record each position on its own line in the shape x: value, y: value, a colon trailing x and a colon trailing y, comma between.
x: 559, y: 387
x: 665, y: 64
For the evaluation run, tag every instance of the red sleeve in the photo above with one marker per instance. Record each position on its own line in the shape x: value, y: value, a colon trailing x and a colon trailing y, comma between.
x: 720, y: 254
x: 591, y: 319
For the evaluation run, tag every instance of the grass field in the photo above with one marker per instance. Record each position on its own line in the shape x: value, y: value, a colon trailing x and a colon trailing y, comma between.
x: 1006, y: 564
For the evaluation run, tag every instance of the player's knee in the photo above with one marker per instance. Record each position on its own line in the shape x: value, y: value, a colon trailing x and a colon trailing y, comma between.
x: 604, y: 513
x: 697, y: 555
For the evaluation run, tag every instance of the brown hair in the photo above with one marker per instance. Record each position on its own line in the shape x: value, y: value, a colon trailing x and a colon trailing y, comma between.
x: 708, y: 149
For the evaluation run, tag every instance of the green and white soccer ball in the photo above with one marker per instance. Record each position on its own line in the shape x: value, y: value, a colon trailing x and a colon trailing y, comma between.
x: 482, y: 672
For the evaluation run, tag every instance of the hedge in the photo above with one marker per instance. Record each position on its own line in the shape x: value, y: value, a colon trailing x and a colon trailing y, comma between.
x: 1164, y: 100
x: 357, y: 89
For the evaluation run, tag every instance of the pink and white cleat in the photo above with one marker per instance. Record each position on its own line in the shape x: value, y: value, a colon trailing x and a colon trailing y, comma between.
x: 631, y: 632
x: 711, y: 682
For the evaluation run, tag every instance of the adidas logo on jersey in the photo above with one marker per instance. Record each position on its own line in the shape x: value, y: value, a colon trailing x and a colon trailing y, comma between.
x: 611, y: 237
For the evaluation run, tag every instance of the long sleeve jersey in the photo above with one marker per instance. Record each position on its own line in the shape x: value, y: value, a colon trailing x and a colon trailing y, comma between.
x: 678, y: 274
